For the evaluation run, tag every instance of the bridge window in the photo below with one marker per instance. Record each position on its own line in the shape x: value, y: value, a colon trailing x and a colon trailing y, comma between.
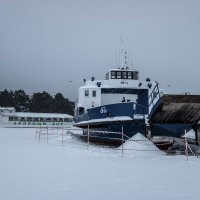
x: 124, y: 75
x: 113, y: 75
x: 130, y: 75
x: 135, y: 75
x: 119, y: 75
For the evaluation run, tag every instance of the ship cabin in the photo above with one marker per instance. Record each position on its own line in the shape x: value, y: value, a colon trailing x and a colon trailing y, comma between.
x: 119, y: 85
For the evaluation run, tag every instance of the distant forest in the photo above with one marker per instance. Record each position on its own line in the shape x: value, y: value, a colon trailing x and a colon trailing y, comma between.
x: 40, y: 102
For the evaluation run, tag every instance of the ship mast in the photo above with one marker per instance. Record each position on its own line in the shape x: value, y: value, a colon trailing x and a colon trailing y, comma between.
x: 122, y: 53
x: 123, y: 56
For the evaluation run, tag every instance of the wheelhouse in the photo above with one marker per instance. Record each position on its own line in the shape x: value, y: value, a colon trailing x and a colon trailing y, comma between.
x: 122, y: 74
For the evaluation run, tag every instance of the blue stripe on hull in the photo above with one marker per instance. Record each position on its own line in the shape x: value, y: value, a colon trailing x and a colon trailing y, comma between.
x: 113, y: 110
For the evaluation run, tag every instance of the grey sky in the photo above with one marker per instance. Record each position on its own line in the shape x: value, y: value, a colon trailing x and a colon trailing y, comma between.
x: 44, y: 44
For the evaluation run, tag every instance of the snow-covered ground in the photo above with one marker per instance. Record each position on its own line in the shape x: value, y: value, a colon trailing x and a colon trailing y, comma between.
x: 31, y: 170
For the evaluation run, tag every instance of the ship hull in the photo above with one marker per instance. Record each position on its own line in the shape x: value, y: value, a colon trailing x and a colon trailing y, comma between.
x: 123, y: 118
x: 111, y: 135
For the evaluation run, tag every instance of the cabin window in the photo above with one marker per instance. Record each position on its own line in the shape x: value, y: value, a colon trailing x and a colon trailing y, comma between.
x: 60, y: 119
x: 15, y: 118
x: 135, y: 75
x: 48, y: 119
x: 86, y: 93
x: 35, y: 119
x: 94, y: 93
x: 11, y: 118
x: 81, y: 110
x: 67, y: 120
x: 130, y: 75
x: 54, y: 119
x: 113, y: 75
x: 124, y: 75
x: 22, y: 119
x: 29, y: 119
x: 42, y: 119
x: 119, y: 75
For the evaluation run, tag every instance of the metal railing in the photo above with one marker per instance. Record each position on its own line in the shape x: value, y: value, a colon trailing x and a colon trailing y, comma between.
x: 45, y: 133
x: 155, y: 92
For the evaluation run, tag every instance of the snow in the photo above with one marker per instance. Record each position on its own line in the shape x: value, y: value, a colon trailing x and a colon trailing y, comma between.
x: 190, y: 134
x: 141, y: 145
x: 32, y: 169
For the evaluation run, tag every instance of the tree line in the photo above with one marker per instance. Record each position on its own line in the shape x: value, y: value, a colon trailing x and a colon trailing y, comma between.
x: 40, y: 102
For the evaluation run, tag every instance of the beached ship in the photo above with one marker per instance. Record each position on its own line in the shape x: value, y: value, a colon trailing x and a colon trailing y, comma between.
x: 10, y: 118
x: 122, y: 103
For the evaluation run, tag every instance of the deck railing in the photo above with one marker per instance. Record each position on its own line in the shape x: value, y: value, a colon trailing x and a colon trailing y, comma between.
x: 154, y: 94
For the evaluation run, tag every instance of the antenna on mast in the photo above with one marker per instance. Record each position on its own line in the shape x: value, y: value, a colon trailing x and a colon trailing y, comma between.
x: 132, y: 65
x: 126, y: 61
x: 122, y: 52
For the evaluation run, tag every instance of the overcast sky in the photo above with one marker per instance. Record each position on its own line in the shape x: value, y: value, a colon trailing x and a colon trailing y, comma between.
x: 46, y: 44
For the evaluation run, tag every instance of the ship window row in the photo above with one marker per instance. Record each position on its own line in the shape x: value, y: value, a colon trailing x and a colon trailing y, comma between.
x: 40, y: 119
x: 87, y: 93
x: 124, y: 75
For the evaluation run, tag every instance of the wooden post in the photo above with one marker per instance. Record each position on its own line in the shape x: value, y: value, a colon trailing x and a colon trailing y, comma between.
x: 39, y: 134
x: 88, y: 134
x: 122, y: 141
x: 198, y: 135
x: 148, y: 131
x: 186, y: 146
x: 47, y: 135
x: 62, y: 137
x: 196, y: 129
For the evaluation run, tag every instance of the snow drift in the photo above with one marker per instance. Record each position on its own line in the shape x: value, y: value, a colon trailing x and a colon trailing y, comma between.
x: 140, y: 144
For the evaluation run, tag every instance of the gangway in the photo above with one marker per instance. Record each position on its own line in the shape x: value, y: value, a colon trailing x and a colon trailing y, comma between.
x: 177, y: 113
x: 176, y: 109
